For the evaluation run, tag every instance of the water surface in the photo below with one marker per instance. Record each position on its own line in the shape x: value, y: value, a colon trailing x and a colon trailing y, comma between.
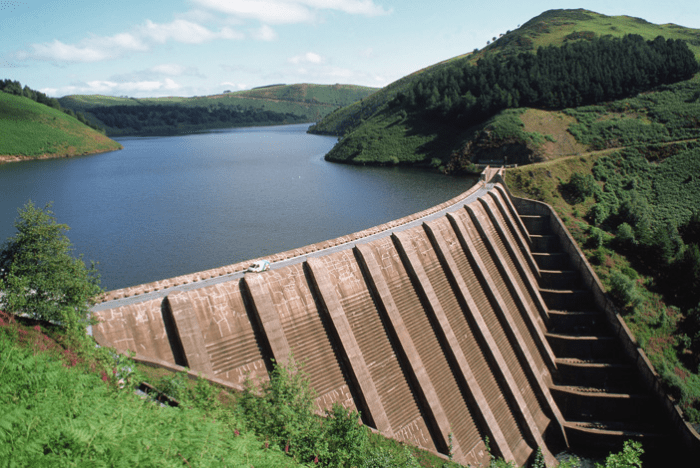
x: 167, y: 206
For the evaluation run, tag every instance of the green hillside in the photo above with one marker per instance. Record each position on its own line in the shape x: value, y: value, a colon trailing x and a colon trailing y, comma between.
x: 421, y: 119
x: 270, y: 105
x: 32, y: 130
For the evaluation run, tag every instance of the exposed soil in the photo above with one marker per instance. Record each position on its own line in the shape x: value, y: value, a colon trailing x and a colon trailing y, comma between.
x: 555, y: 124
x: 9, y: 158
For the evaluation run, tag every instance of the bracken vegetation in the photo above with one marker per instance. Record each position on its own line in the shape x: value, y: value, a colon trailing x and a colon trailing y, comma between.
x: 635, y: 214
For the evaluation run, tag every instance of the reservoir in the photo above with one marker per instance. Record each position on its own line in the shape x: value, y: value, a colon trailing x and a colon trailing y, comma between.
x: 168, y: 206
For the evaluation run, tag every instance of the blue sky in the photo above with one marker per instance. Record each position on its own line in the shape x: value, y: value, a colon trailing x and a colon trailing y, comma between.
x: 150, y: 48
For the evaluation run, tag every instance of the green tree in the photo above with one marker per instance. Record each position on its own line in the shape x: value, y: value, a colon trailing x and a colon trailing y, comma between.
x: 40, y: 277
x: 629, y: 457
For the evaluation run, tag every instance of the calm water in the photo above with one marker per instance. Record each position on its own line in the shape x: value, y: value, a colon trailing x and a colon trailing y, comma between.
x: 168, y: 206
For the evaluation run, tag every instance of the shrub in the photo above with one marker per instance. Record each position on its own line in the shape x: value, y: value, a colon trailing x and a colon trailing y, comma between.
x: 623, y: 290
x: 625, y: 235
x: 283, y: 413
x: 598, y: 214
x: 581, y: 187
x: 628, y: 458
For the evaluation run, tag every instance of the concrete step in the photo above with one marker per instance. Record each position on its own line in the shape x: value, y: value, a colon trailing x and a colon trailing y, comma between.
x: 592, y: 404
x: 582, y: 347
x: 569, y: 300
x: 603, y: 374
x: 536, y: 224
x: 544, y: 243
x: 601, y: 437
x: 551, y: 260
x: 580, y: 323
x: 560, y: 279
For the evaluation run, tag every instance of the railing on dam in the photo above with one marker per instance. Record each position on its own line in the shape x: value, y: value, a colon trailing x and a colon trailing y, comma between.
x: 442, y: 329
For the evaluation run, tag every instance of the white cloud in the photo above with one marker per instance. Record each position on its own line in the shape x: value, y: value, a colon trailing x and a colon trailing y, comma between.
x: 185, y: 31
x: 290, y: 11
x: 97, y: 48
x: 265, y: 33
x: 309, y: 57
x: 170, y: 84
x: 267, y: 11
x: 237, y: 86
x: 114, y: 88
x: 61, y: 52
x: 91, y: 49
x: 99, y: 86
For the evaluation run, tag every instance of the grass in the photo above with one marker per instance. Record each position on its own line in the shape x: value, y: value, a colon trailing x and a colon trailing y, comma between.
x: 30, y: 129
x: 555, y: 27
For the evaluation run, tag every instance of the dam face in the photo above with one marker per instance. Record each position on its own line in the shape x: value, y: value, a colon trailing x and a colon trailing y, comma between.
x: 468, y: 321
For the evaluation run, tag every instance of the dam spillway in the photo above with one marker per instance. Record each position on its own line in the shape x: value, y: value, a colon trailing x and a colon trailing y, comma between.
x: 476, y: 319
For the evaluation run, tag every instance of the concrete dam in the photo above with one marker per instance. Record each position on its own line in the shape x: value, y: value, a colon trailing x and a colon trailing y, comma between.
x: 478, y: 318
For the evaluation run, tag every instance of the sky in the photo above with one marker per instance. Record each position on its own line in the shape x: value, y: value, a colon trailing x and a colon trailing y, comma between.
x: 154, y: 48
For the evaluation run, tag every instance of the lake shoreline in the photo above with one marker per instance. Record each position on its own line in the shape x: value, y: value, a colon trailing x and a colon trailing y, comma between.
x: 9, y: 158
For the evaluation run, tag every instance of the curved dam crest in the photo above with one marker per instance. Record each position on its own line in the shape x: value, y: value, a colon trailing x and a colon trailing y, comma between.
x: 478, y: 318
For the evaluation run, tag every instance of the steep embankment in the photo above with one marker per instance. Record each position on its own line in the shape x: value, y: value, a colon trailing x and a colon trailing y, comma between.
x: 635, y: 213
x: 437, y: 116
x: 269, y: 105
x: 29, y: 130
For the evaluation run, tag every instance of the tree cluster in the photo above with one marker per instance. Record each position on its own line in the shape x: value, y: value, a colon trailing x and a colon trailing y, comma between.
x: 15, y: 87
x: 166, y: 119
x: 575, y: 74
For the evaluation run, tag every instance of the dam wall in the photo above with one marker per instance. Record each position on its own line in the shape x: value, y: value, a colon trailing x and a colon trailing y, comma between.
x: 442, y: 329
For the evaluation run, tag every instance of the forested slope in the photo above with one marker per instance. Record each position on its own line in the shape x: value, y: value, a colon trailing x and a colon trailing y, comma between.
x: 270, y: 105
x: 551, y: 62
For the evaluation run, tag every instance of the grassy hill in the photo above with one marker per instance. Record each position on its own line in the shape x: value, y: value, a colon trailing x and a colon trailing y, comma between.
x: 268, y: 105
x: 32, y: 130
x: 377, y: 131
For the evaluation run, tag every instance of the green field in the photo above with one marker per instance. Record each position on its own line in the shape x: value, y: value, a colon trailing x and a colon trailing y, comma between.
x: 30, y: 129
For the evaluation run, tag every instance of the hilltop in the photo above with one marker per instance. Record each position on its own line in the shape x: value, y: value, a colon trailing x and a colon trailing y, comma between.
x: 31, y: 130
x: 268, y: 105
x: 435, y: 117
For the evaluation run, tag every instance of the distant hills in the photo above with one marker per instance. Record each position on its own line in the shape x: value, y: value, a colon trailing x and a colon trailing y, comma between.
x: 457, y: 112
x: 32, y: 130
x: 32, y: 125
x: 268, y: 105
